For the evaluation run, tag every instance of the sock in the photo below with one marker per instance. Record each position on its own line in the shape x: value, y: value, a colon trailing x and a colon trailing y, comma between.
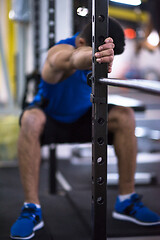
x: 125, y: 196
x: 37, y: 205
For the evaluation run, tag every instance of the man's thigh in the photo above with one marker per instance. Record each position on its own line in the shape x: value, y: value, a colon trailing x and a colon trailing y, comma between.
x: 77, y: 132
x: 58, y: 132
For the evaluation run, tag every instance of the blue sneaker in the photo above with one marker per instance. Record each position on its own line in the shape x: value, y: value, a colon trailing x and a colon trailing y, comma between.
x: 133, y: 210
x: 29, y: 221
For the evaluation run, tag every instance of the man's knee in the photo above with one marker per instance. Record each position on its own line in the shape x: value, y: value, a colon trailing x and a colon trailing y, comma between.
x: 126, y: 117
x: 33, y: 120
x: 122, y: 117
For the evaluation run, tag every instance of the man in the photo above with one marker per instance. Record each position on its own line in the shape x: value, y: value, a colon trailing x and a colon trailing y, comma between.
x: 61, y: 112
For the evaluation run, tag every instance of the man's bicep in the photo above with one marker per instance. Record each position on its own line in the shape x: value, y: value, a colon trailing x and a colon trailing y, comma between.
x: 49, y: 74
x: 57, y: 63
x: 59, y: 57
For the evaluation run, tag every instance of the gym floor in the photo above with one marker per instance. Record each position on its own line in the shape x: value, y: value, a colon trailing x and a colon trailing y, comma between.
x: 67, y: 215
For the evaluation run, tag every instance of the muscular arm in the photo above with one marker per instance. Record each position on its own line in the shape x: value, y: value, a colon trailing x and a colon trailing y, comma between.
x: 64, y: 59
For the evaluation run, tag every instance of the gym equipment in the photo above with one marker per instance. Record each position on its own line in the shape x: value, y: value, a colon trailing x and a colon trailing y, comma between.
x: 51, y: 23
x: 6, y: 74
x: 36, y: 8
x: 99, y: 116
x: 148, y: 86
x: 99, y: 123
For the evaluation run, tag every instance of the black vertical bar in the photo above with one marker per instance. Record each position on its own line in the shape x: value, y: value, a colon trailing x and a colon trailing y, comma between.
x: 51, y: 23
x: 99, y: 123
x: 51, y: 42
x: 36, y: 34
x: 52, y: 170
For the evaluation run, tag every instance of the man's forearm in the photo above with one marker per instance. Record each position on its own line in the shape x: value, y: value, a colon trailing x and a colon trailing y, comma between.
x: 81, y: 58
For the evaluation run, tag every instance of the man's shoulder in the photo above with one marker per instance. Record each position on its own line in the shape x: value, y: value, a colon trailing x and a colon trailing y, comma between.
x: 69, y: 41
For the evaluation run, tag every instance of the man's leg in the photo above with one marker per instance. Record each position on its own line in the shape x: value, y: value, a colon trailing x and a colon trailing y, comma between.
x: 29, y: 154
x: 128, y: 205
x: 121, y: 122
x: 32, y: 125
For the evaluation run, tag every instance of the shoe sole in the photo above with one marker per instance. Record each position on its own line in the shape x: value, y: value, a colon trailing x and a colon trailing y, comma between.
x: 131, y: 219
x: 37, y: 227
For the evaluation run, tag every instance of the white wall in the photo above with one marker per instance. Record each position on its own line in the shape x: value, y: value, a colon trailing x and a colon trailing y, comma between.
x: 63, y: 18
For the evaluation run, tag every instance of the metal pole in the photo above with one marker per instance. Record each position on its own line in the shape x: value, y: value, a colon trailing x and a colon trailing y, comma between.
x: 51, y: 23
x: 21, y: 61
x: 99, y: 123
x: 6, y: 74
x: 36, y: 35
x: 143, y: 85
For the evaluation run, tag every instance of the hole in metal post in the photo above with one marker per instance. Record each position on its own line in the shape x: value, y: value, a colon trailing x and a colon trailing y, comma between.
x: 100, y: 200
x: 101, y: 18
x: 100, y: 140
x: 100, y: 160
x: 100, y: 180
x: 101, y: 121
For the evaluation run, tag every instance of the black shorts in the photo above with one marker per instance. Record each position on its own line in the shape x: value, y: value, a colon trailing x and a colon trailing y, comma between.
x: 77, y: 132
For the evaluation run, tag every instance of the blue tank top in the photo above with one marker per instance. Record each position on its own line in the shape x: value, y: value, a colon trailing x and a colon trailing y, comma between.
x: 67, y: 100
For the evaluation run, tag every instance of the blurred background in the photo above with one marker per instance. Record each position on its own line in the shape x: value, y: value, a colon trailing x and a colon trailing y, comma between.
x: 28, y: 28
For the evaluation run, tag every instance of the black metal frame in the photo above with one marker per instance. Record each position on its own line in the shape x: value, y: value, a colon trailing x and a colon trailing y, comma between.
x: 99, y: 96
x: 36, y: 34
x: 99, y: 123
x: 51, y: 23
x: 52, y: 169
